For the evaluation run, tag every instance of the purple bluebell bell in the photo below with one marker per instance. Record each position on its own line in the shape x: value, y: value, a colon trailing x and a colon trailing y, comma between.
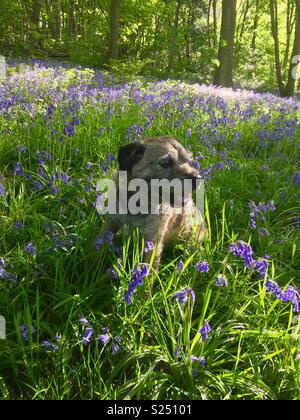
x: 83, y: 320
x: 24, y: 331
x: 149, y: 246
x: 104, y: 338
x: 297, y: 178
x: 261, y: 266
x: 115, y: 348
x: 88, y: 333
x: 2, y: 190
x: 182, y: 295
x: 272, y: 287
x: 291, y: 294
x: 204, y: 331
x: 180, y: 266
x: 50, y: 346
x: 18, y: 170
x: 221, y: 281
x: 30, y: 249
x: 202, y: 267
x: 136, y: 281
x: 244, y: 251
x: 22, y: 149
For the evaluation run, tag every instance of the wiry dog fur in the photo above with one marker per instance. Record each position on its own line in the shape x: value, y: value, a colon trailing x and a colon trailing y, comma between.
x: 159, y: 158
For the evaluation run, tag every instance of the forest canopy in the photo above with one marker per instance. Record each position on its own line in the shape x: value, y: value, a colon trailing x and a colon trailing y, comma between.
x: 244, y: 43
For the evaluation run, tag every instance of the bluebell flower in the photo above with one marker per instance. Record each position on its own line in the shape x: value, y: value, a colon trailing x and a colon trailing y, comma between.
x: 205, y: 330
x: 104, y: 338
x: 243, y: 251
x: 263, y: 232
x: 2, y: 190
x: 115, y: 348
x: 22, y: 149
x: 291, y: 294
x: 87, y: 335
x: 203, y: 267
x: 182, y: 295
x: 30, y: 249
x: 261, y: 266
x: 18, y: 226
x: 18, y: 171
x: 50, y: 346
x: 149, y: 246
x: 69, y: 130
x: 221, y: 281
x: 297, y: 178
x: 272, y: 287
x: 83, y: 320
x: 180, y: 266
x: 24, y: 331
x: 136, y: 281
x: 110, y: 158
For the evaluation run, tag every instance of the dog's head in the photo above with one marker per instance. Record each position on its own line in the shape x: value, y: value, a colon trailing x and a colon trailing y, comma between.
x: 157, y: 158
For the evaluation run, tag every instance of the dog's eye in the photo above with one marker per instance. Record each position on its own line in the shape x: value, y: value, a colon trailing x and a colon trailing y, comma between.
x: 167, y: 163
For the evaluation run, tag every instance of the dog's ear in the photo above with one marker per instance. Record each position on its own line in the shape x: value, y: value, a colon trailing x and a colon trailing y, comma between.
x: 129, y: 155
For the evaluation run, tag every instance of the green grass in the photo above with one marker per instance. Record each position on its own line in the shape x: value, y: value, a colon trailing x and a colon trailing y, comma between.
x: 252, y: 351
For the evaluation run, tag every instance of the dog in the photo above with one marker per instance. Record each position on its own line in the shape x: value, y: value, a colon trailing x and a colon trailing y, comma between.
x: 158, y: 158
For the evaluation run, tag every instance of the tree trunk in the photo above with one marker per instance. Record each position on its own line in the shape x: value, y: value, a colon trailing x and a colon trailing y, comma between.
x: 35, y: 20
x: 290, y: 87
x: 223, y: 76
x: 72, y: 22
x: 290, y: 25
x: 215, y: 23
x: 274, y: 24
x: 255, y: 25
x: 173, y: 38
x: 114, y: 29
x: 57, y: 19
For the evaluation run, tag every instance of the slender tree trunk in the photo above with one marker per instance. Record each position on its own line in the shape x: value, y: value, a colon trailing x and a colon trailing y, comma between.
x: 35, y: 20
x: 290, y: 87
x: 215, y: 18
x: 57, y: 19
x: 255, y: 25
x: 173, y: 38
x: 274, y: 24
x: 223, y: 76
x: 72, y: 21
x: 290, y: 25
x: 115, y: 6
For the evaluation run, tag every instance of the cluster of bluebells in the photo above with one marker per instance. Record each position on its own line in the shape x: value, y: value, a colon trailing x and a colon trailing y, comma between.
x: 291, y: 294
x: 24, y: 331
x: 107, y: 239
x: 194, y: 359
x: 30, y: 249
x: 52, y: 345
x: 244, y: 251
x: 257, y: 212
x: 104, y: 165
x: 104, y: 338
x: 4, y: 274
x: 182, y: 295
x: 136, y: 281
x: 205, y: 330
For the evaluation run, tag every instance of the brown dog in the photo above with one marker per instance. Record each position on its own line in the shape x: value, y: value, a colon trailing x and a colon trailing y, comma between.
x: 159, y: 158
